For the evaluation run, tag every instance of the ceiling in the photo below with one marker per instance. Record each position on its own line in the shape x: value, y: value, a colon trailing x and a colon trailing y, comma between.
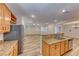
x: 46, y: 12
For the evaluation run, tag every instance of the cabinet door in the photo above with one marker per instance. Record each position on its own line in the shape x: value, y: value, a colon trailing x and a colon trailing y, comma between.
x: 52, y: 50
x: 57, y: 46
x: 7, y: 18
x: 7, y: 28
x: 45, y: 49
x: 15, y: 49
x: 62, y: 47
x: 0, y: 13
x: 1, y: 18
x: 11, y: 52
x: 1, y: 29
x: 2, y: 22
x: 66, y: 45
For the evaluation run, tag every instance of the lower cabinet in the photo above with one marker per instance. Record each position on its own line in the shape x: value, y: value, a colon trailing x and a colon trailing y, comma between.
x: 55, y: 49
x: 62, y: 47
x: 52, y: 50
x: 14, y: 50
x: 10, y: 52
x: 45, y: 49
x: 66, y: 46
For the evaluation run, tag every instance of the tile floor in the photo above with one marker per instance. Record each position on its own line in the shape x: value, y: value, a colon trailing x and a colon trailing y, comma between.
x: 31, y: 45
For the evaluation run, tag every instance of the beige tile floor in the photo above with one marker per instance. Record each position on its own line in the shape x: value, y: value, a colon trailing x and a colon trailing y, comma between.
x: 33, y: 43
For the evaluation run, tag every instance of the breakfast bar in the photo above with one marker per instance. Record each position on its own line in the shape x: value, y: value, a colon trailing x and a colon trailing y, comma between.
x: 55, y: 47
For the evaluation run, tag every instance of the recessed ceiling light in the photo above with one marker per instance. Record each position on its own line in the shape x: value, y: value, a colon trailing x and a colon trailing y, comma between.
x: 72, y: 22
x: 30, y: 22
x: 33, y: 16
x: 38, y: 24
x: 63, y: 10
x: 55, y: 20
x: 46, y: 23
x: 33, y: 24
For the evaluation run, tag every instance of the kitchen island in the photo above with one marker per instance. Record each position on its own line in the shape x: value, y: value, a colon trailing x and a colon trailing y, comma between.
x: 9, y: 48
x: 56, y: 47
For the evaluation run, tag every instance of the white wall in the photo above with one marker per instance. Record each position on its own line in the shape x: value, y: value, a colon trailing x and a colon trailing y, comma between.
x: 44, y: 30
x: 54, y: 28
x: 19, y: 20
x: 30, y: 29
x: 70, y: 31
x: 51, y: 28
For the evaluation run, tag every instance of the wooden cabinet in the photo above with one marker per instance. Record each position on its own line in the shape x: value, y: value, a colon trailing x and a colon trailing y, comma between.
x: 52, y: 50
x: 66, y: 46
x: 45, y: 49
x: 55, y: 49
x: 57, y: 46
x: 5, y: 17
x: 13, y: 50
x: 1, y: 14
x: 1, y: 17
x: 10, y: 52
x: 62, y: 47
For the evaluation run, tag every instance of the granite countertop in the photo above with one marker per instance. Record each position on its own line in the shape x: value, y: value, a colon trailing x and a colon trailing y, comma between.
x: 54, y: 40
x: 6, y: 46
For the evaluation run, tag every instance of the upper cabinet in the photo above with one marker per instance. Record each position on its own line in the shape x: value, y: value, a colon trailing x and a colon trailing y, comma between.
x: 5, y: 18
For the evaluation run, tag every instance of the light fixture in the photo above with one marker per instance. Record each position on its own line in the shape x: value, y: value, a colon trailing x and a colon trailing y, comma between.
x: 34, y: 24
x: 46, y: 23
x: 55, y: 20
x: 72, y: 22
x: 65, y: 11
x: 33, y: 16
x: 29, y: 21
x: 38, y: 24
